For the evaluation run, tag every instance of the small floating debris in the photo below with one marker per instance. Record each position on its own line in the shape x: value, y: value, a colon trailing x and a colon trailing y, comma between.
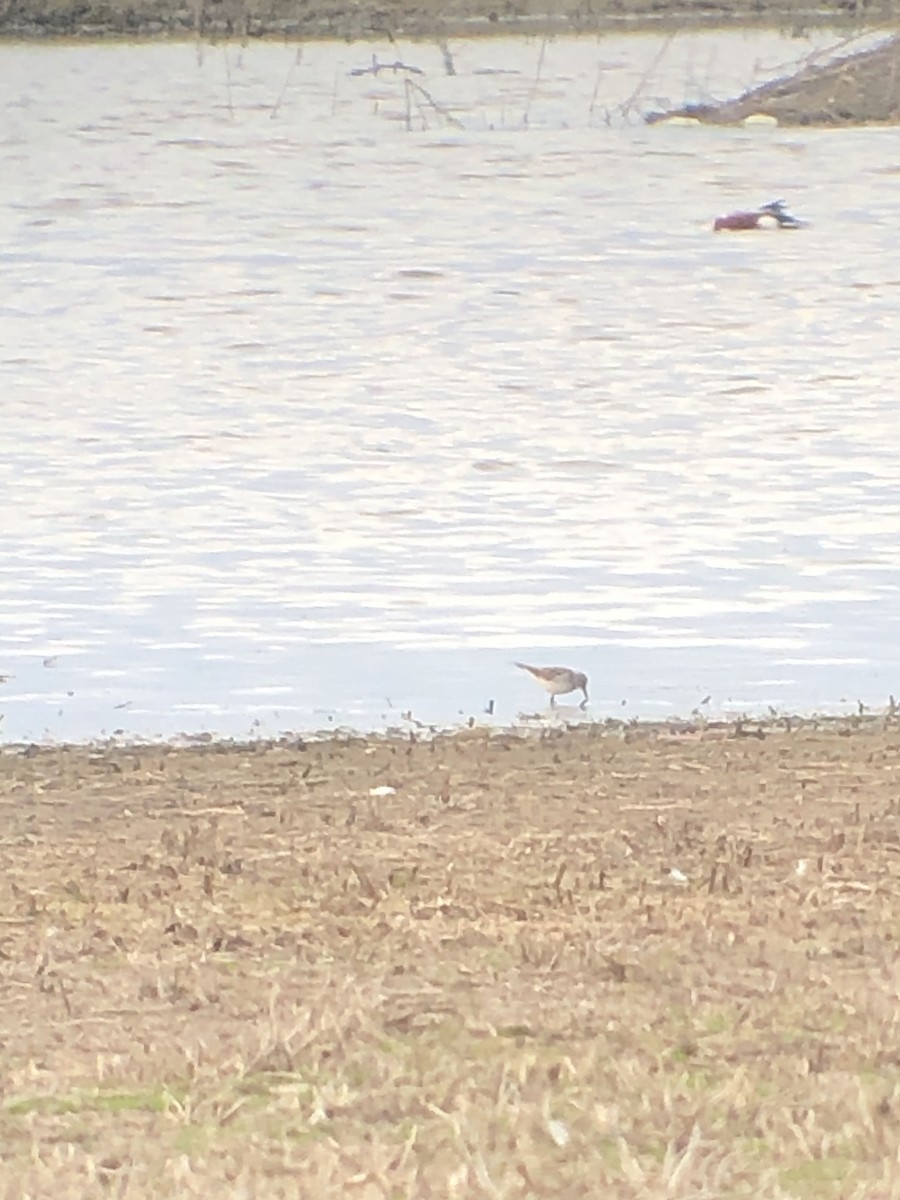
x: 773, y: 215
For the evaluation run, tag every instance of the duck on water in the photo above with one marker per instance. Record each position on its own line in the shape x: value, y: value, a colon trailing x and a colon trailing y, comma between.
x: 773, y: 215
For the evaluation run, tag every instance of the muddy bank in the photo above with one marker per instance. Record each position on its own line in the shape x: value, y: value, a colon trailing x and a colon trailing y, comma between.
x: 408, y: 18
x: 383, y: 967
x: 857, y: 89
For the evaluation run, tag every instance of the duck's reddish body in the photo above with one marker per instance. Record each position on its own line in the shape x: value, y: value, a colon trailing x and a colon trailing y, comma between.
x: 759, y: 218
x: 738, y: 220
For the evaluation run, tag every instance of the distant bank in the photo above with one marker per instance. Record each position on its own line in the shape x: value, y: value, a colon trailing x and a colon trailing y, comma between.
x: 387, y: 19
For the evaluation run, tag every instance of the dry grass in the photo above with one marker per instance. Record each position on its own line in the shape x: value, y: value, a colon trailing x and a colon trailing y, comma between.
x: 234, y: 971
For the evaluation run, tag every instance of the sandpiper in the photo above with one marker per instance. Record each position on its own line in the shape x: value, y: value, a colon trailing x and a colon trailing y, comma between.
x: 558, y: 681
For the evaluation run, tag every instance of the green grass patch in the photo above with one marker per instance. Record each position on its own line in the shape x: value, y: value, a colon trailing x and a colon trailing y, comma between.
x: 819, y: 1176
x: 154, y: 1100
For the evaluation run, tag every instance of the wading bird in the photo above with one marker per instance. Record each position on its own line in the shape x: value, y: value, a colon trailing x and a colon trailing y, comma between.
x: 558, y: 681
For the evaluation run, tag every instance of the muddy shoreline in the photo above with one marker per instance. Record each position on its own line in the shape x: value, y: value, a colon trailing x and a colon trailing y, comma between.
x: 290, y: 965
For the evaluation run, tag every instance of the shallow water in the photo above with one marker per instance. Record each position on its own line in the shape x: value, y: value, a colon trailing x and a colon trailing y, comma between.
x: 319, y: 408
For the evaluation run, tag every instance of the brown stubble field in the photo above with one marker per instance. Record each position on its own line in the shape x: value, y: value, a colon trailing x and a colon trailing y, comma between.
x: 231, y: 970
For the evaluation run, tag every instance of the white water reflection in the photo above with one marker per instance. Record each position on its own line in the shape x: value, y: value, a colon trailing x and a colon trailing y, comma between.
x: 307, y: 416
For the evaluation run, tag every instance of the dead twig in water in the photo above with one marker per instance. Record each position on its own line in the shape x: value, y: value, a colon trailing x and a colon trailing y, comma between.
x: 625, y: 109
x: 377, y: 67
x: 535, y: 82
x: 593, y: 105
x: 416, y: 93
x: 808, y: 61
x: 449, y: 65
x: 228, y: 84
x: 298, y: 58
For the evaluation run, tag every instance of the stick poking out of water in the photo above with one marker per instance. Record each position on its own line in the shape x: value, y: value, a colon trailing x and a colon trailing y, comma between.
x: 449, y: 65
x: 416, y: 94
x: 377, y: 66
x: 298, y: 58
x: 536, y: 82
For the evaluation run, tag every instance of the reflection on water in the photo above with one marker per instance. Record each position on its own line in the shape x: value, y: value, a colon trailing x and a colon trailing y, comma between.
x: 309, y: 416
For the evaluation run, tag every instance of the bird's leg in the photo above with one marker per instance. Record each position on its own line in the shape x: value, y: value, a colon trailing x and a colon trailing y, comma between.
x: 552, y: 700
